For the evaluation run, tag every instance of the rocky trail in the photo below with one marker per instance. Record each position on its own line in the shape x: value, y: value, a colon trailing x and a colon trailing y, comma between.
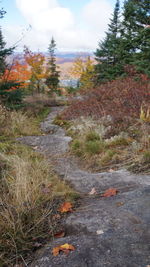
x: 112, y: 231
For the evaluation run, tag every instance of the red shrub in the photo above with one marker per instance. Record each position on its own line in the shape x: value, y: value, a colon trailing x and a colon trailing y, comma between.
x: 120, y: 98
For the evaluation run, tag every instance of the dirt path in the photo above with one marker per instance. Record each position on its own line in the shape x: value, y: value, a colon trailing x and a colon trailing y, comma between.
x: 111, y: 231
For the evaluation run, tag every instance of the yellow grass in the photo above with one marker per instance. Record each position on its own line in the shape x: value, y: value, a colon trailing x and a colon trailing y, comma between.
x: 28, y: 190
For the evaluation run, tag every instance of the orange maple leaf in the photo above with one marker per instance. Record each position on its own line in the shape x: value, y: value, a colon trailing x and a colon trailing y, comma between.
x: 110, y: 192
x: 59, y: 234
x: 65, y: 207
x: 65, y: 248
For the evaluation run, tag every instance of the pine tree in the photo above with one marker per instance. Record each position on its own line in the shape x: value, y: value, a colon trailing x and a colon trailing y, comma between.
x: 107, y: 55
x: 52, y: 79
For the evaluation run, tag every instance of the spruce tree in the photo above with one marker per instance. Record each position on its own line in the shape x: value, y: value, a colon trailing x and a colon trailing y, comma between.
x: 107, y: 55
x: 52, y: 79
x: 142, y: 59
x: 129, y: 30
x: 135, y: 35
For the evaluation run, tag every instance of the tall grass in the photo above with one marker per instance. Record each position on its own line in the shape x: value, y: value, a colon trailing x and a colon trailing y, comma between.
x: 16, y: 123
x: 29, y: 190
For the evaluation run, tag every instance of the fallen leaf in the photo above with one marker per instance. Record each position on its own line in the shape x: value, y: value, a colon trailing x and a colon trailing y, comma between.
x: 59, y: 234
x: 65, y: 248
x: 66, y: 251
x: 65, y: 207
x: 119, y: 204
x: 110, y: 192
x: 56, y: 251
x: 93, y: 191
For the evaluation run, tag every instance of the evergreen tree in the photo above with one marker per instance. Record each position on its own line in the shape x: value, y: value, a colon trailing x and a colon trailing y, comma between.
x: 135, y: 34
x: 126, y: 42
x: 129, y: 30
x: 142, y: 59
x: 52, y: 79
x: 3, y: 54
x: 7, y: 95
x: 107, y: 55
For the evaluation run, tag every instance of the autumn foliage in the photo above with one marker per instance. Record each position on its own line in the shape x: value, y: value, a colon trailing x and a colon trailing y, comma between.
x: 19, y: 73
x: 120, y: 98
x: 83, y: 70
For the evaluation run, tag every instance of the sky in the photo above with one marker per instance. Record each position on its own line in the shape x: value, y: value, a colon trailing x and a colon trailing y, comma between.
x: 76, y: 25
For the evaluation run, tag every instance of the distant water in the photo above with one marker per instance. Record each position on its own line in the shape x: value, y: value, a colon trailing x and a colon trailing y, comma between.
x: 72, y: 83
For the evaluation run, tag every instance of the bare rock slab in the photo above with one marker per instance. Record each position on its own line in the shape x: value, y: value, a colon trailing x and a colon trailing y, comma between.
x: 113, y: 231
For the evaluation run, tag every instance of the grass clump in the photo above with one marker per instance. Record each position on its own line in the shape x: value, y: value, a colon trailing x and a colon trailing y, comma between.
x: 107, y: 157
x: 16, y: 123
x: 30, y: 195
x: 119, y: 141
x: 77, y: 147
x: 146, y: 157
x: 94, y: 147
x: 20, y: 123
x: 92, y: 136
x: 60, y: 122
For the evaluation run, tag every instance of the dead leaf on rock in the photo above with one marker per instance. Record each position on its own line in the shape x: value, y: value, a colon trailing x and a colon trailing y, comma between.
x: 65, y: 207
x: 59, y: 234
x: 93, y: 191
x: 119, y: 204
x: 110, y: 192
x: 65, y: 248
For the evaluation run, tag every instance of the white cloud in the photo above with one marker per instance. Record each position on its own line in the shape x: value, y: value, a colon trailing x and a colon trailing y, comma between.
x: 97, y: 13
x: 48, y: 18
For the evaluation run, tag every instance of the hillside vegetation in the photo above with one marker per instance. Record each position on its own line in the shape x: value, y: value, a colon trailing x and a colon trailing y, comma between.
x: 107, y: 114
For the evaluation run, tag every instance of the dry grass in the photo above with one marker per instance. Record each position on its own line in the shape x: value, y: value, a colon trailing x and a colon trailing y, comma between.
x: 17, y: 123
x: 29, y: 190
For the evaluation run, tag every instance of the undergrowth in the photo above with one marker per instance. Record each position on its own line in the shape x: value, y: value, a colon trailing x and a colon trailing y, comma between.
x: 117, y: 115
x: 101, y: 151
